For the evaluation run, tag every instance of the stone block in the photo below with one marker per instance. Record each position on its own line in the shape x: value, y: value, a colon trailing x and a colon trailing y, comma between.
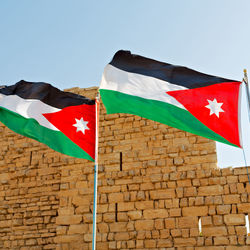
x: 4, y: 178
x: 109, y: 189
x: 243, y: 208
x: 155, y: 213
x: 175, y: 232
x: 189, y: 192
x: 81, y: 184
x: 126, y: 206
x: 199, y: 201
x: 232, y: 179
x: 159, y: 224
x: 81, y: 200
x: 169, y: 223
x: 184, y: 242
x: 180, y: 141
x: 68, y: 219
x: 214, y: 231
x: 144, y: 225
x: 187, y: 222
x: 162, y: 194
x: 221, y: 240
x: 175, y: 212
x: 78, y: 229
x: 122, y: 236
x: 234, y: 219
x: 241, y: 231
x: 131, y: 244
x: 178, y: 161
x: 184, y: 183
x: 210, y: 190
x: 118, y: 227
x: 144, y: 205
x: 162, y: 243
x: 122, y: 216
x: 68, y: 238
x: 147, y: 186
x: 88, y: 218
x: 231, y: 199
x: 237, y: 247
x: 66, y: 211
x: 135, y: 215
x: 115, y: 197
x: 5, y: 223
x: 150, y: 243
x: 109, y: 217
x: 223, y: 209
x: 218, y: 220
x: 195, y: 211
x: 139, y: 244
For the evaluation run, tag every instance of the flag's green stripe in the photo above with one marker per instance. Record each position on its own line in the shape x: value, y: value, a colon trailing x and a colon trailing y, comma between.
x: 117, y: 102
x: 31, y: 128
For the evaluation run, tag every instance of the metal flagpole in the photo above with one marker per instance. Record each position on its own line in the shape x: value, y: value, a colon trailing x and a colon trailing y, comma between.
x: 95, y: 172
x: 245, y: 79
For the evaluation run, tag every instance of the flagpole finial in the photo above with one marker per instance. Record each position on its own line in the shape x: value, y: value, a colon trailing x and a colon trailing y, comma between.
x: 245, y: 79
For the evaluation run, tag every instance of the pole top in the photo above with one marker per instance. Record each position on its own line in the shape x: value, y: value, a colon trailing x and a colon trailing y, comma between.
x: 245, y: 71
x: 97, y: 96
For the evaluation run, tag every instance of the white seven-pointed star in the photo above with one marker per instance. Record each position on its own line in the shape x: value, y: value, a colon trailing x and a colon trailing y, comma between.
x: 81, y: 125
x: 215, y: 107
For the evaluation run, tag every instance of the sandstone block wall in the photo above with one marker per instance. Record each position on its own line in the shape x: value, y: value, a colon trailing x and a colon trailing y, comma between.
x: 155, y: 185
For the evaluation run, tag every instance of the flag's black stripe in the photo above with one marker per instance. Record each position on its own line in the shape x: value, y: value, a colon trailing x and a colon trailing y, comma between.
x: 178, y: 75
x: 45, y: 93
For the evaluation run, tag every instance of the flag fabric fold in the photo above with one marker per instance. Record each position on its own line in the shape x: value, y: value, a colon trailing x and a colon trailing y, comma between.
x: 177, y: 96
x: 62, y: 120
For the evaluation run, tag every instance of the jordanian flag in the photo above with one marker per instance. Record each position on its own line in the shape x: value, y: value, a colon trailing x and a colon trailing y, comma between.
x: 174, y: 95
x: 64, y: 121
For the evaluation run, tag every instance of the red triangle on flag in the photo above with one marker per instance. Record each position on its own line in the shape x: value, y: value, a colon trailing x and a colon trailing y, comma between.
x: 78, y: 124
x: 216, y: 106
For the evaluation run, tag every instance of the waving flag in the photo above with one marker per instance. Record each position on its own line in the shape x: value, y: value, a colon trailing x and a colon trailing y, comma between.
x: 64, y: 121
x: 174, y: 95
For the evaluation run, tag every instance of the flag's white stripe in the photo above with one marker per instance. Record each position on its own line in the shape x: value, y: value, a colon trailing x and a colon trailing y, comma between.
x: 139, y: 85
x: 28, y: 108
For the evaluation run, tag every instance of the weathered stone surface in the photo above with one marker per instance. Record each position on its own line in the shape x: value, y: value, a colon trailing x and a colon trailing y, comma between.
x: 162, y: 194
x: 184, y: 242
x: 144, y: 225
x: 126, y: 206
x: 78, y: 229
x: 4, y: 178
x: 134, y: 215
x: 170, y: 223
x: 210, y: 190
x: 115, y: 197
x: 188, y: 222
x: 155, y: 213
x: 118, y: 227
x: 223, y: 209
x: 234, y: 219
x: 164, y: 243
x: 214, y: 231
x: 243, y: 208
x: 195, y: 211
x: 68, y: 219
x: 231, y: 199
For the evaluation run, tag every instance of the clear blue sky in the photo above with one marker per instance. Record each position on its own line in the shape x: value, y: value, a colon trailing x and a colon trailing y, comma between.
x: 68, y: 43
